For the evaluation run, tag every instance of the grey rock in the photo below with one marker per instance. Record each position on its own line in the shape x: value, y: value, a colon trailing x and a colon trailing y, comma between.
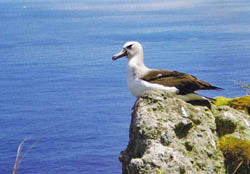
x: 168, y: 135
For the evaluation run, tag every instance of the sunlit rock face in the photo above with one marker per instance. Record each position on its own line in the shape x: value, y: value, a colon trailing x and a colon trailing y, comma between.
x: 168, y: 135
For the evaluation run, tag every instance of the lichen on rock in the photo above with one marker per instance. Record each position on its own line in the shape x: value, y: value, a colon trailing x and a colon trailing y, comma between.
x: 168, y: 135
x: 238, y: 103
x: 237, y: 154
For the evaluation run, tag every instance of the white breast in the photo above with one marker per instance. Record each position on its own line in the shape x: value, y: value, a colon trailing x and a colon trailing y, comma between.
x: 135, y: 84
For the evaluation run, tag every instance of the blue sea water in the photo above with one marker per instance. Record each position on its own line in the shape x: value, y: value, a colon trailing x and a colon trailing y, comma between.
x: 59, y: 86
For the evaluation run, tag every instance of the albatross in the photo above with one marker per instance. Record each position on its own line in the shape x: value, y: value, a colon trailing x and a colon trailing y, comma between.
x: 140, y: 78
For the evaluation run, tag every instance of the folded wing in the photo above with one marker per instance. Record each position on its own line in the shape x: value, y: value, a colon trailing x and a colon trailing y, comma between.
x: 184, y: 82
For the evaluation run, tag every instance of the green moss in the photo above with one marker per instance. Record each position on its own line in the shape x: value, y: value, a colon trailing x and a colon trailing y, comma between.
x: 149, y: 100
x: 166, y: 138
x: 160, y: 108
x: 236, y: 152
x: 221, y: 101
x: 239, y: 103
x: 235, y: 146
x: 160, y: 171
x: 148, y: 110
x: 154, y: 133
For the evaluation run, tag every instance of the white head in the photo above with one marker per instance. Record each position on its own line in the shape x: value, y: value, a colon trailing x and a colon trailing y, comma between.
x: 130, y: 49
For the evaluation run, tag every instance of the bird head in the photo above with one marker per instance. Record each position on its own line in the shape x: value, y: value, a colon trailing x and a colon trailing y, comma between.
x: 130, y: 49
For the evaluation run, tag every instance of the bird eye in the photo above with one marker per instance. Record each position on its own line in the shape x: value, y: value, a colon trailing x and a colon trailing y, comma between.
x: 129, y: 47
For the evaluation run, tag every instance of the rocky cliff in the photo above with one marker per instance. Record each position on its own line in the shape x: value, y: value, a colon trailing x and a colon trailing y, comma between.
x: 168, y: 135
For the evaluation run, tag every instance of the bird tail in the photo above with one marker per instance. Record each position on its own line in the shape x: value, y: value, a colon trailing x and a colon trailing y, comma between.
x: 215, y: 88
x: 207, y: 86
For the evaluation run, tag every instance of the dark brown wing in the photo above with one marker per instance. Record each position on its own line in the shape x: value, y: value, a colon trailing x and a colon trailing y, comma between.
x: 184, y: 82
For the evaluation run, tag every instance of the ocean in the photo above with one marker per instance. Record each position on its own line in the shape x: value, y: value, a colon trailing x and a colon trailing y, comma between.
x: 60, y: 88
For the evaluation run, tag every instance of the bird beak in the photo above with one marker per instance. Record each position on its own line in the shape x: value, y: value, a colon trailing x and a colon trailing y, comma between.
x: 121, y: 54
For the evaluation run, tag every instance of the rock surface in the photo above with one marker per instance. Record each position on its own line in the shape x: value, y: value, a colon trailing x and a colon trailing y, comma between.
x: 168, y: 135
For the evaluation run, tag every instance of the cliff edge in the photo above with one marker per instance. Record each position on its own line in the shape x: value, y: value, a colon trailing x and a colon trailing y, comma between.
x: 168, y: 135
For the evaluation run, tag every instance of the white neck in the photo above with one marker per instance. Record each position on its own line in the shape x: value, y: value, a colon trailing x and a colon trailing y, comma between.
x: 136, y: 66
